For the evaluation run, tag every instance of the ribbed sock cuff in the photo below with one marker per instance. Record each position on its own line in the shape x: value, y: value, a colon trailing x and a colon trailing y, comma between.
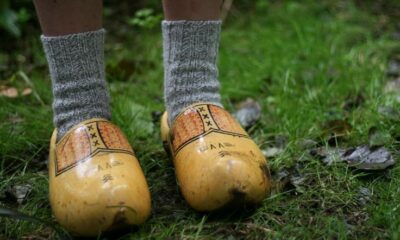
x: 76, y: 65
x: 190, y: 53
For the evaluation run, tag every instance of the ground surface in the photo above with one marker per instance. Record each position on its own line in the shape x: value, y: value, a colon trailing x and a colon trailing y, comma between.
x: 306, y: 64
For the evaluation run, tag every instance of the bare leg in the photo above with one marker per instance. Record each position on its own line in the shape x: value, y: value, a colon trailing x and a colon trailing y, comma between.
x: 62, y: 17
x: 194, y: 10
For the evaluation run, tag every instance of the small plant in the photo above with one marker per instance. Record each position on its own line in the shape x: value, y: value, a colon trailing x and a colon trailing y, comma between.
x: 13, y: 19
x: 145, y: 18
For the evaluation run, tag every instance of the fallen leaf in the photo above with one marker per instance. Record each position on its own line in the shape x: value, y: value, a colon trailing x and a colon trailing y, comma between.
x: 272, y: 152
x: 362, y: 157
x: 248, y: 113
x: 19, y: 192
x: 276, y: 145
x: 280, y: 180
x: 328, y: 155
x: 10, y: 92
x: 289, y: 178
x: 26, y: 91
x: 298, y: 182
x: 365, y: 158
x: 335, y: 130
x: 364, y: 195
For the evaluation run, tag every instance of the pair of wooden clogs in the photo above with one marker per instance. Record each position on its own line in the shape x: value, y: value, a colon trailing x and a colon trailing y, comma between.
x: 96, y: 183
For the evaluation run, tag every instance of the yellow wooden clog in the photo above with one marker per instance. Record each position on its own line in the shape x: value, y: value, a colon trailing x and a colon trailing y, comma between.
x: 216, y: 163
x: 95, y: 181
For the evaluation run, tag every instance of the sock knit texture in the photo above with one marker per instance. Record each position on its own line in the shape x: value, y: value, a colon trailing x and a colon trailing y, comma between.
x: 190, y: 71
x: 76, y: 64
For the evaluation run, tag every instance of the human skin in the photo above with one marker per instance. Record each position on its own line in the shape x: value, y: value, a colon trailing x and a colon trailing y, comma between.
x: 63, y: 17
x: 192, y: 10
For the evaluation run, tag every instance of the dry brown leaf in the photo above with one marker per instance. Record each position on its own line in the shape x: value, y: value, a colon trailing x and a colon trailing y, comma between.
x: 26, y: 91
x: 10, y: 92
x: 337, y: 128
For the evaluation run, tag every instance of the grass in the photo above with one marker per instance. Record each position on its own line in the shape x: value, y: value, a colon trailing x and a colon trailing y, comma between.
x: 304, y: 63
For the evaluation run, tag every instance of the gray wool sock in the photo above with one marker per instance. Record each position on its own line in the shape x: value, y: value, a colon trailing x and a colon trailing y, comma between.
x: 78, y: 80
x: 190, y: 71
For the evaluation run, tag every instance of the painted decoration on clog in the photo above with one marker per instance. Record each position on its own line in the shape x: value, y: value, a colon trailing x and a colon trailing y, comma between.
x: 88, y: 140
x: 200, y: 120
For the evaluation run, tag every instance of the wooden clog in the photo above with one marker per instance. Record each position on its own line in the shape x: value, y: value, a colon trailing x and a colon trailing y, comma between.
x: 217, y: 165
x: 95, y: 181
